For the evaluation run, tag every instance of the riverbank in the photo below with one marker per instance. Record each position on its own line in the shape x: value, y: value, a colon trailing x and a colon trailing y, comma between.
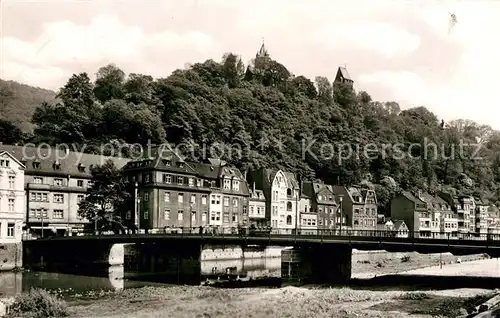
x: 356, y: 301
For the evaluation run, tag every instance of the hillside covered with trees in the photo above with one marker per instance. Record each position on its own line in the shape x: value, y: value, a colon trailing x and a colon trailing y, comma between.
x: 273, y: 115
x: 19, y: 101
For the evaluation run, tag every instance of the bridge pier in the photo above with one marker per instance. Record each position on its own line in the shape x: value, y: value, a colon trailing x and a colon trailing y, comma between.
x: 323, y: 264
x: 169, y: 262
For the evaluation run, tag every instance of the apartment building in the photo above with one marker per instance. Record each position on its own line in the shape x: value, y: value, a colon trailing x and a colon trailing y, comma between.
x: 464, y: 207
x: 257, y: 209
x: 175, y: 195
x: 55, y: 181
x: 324, y: 203
x: 12, y: 198
x: 413, y: 211
x: 482, y: 215
x: 281, y: 191
x: 360, y: 214
x: 308, y: 223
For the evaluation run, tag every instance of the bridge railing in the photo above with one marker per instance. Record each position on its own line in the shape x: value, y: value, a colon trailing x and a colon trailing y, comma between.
x: 290, y: 233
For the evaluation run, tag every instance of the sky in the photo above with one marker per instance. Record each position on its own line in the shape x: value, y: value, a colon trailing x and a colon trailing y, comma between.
x: 397, y: 50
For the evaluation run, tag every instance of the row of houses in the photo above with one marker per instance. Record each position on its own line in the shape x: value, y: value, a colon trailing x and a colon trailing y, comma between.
x: 40, y: 189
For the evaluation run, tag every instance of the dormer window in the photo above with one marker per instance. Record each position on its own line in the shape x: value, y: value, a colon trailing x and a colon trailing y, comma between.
x: 81, y: 167
x: 36, y: 164
x: 227, y: 184
x: 167, y: 162
x: 180, y: 164
x: 57, y: 165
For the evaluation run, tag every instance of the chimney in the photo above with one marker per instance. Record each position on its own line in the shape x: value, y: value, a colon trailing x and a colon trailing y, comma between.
x: 253, y: 187
x: 419, y: 193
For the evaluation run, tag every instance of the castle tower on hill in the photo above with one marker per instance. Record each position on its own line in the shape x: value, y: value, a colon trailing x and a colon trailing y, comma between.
x: 343, y: 77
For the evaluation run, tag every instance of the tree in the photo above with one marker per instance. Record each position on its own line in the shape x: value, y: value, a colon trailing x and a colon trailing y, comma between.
x: 106, y: 199
x: 109, y: 83
x: 10, y: 133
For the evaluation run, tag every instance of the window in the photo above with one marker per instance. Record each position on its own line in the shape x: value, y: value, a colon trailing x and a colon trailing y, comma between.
x: 11, y: 230
x: 37, y: 213
x: 79, y: 183
x: 166, y: 197
x: 79, y: 198
x: 147, y: 177
x: 146, y: 196
x: 227, y: 184
x: 37, y: 180
x: 215, y: 199
x: 226, y: 201
x: 204, y: 199
x: 289, y: 206
x: 39, y: 196
x: 166, y: 214
x: 58, y: 198
x: 193, y: 217
x: 251, y: 209
x: 128, y: 216
x: 180, y: 180
x: 36, y: 165
x: 226, y: 217
x: 146, y: 214
x: 289, y: 220
x: 244, y: 210
x: 58, y: 214
x: 180, y: 215
x: 236, y: 185
x: 58, y: 182
x: 191, y: 182
x: 193, y: 198
x: 180, y: 198
x: 167, y: 178
x: 235, y: 218
x: 204, y: 216
x: 235, y: 202
x: 4, y: 163
x: 11, y: 205
x: 12, y: 180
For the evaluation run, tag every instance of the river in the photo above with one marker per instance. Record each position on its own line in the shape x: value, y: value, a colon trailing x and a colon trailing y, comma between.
x: 117, y: 278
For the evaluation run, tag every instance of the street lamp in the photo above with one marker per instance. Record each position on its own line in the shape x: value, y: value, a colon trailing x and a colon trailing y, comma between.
x: 137, y: 200
x: 296, y: 192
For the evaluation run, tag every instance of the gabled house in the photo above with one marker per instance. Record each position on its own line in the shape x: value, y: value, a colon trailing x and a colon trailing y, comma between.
x: 308, y: 218
x: 443, y: 219
x: 281, y: 190
x: 353, y: 208
x: 481, y: 217
x: 323, y: 203
x: 463, y: 206
x: 257, y: 209
x: 413, y: 211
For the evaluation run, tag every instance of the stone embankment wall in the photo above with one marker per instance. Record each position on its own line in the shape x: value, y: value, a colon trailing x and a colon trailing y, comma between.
x: 11, y: 256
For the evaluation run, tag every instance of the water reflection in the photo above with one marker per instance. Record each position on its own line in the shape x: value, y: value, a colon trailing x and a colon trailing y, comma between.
x: 117, y: 278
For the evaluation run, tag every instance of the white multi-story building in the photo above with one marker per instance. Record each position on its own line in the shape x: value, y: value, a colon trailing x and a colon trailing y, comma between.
x: 281, y: 191
x: 12, y: 199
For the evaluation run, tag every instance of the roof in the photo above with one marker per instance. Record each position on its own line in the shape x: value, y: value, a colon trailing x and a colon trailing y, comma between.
x: 344, y: 73
x: 398, y: 224
x: 70, y: 163
x: 262, y: 51
x: 411, y: 197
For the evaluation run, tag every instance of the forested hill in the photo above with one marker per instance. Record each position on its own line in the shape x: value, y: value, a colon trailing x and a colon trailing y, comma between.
x: 274, y: 116
x: 19, y: 101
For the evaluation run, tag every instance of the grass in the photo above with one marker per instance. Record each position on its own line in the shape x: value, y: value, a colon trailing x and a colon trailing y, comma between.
x: 37, y: 303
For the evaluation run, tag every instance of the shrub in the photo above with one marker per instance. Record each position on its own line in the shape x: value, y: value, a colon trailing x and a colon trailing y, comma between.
x: 405, y: 259
x: 38, y: 303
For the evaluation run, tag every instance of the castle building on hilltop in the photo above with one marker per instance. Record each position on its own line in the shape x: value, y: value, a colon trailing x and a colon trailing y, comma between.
x: 343, y: 77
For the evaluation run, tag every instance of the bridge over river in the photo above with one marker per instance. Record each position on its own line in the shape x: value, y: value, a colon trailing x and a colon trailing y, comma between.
x: 321, y: 257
